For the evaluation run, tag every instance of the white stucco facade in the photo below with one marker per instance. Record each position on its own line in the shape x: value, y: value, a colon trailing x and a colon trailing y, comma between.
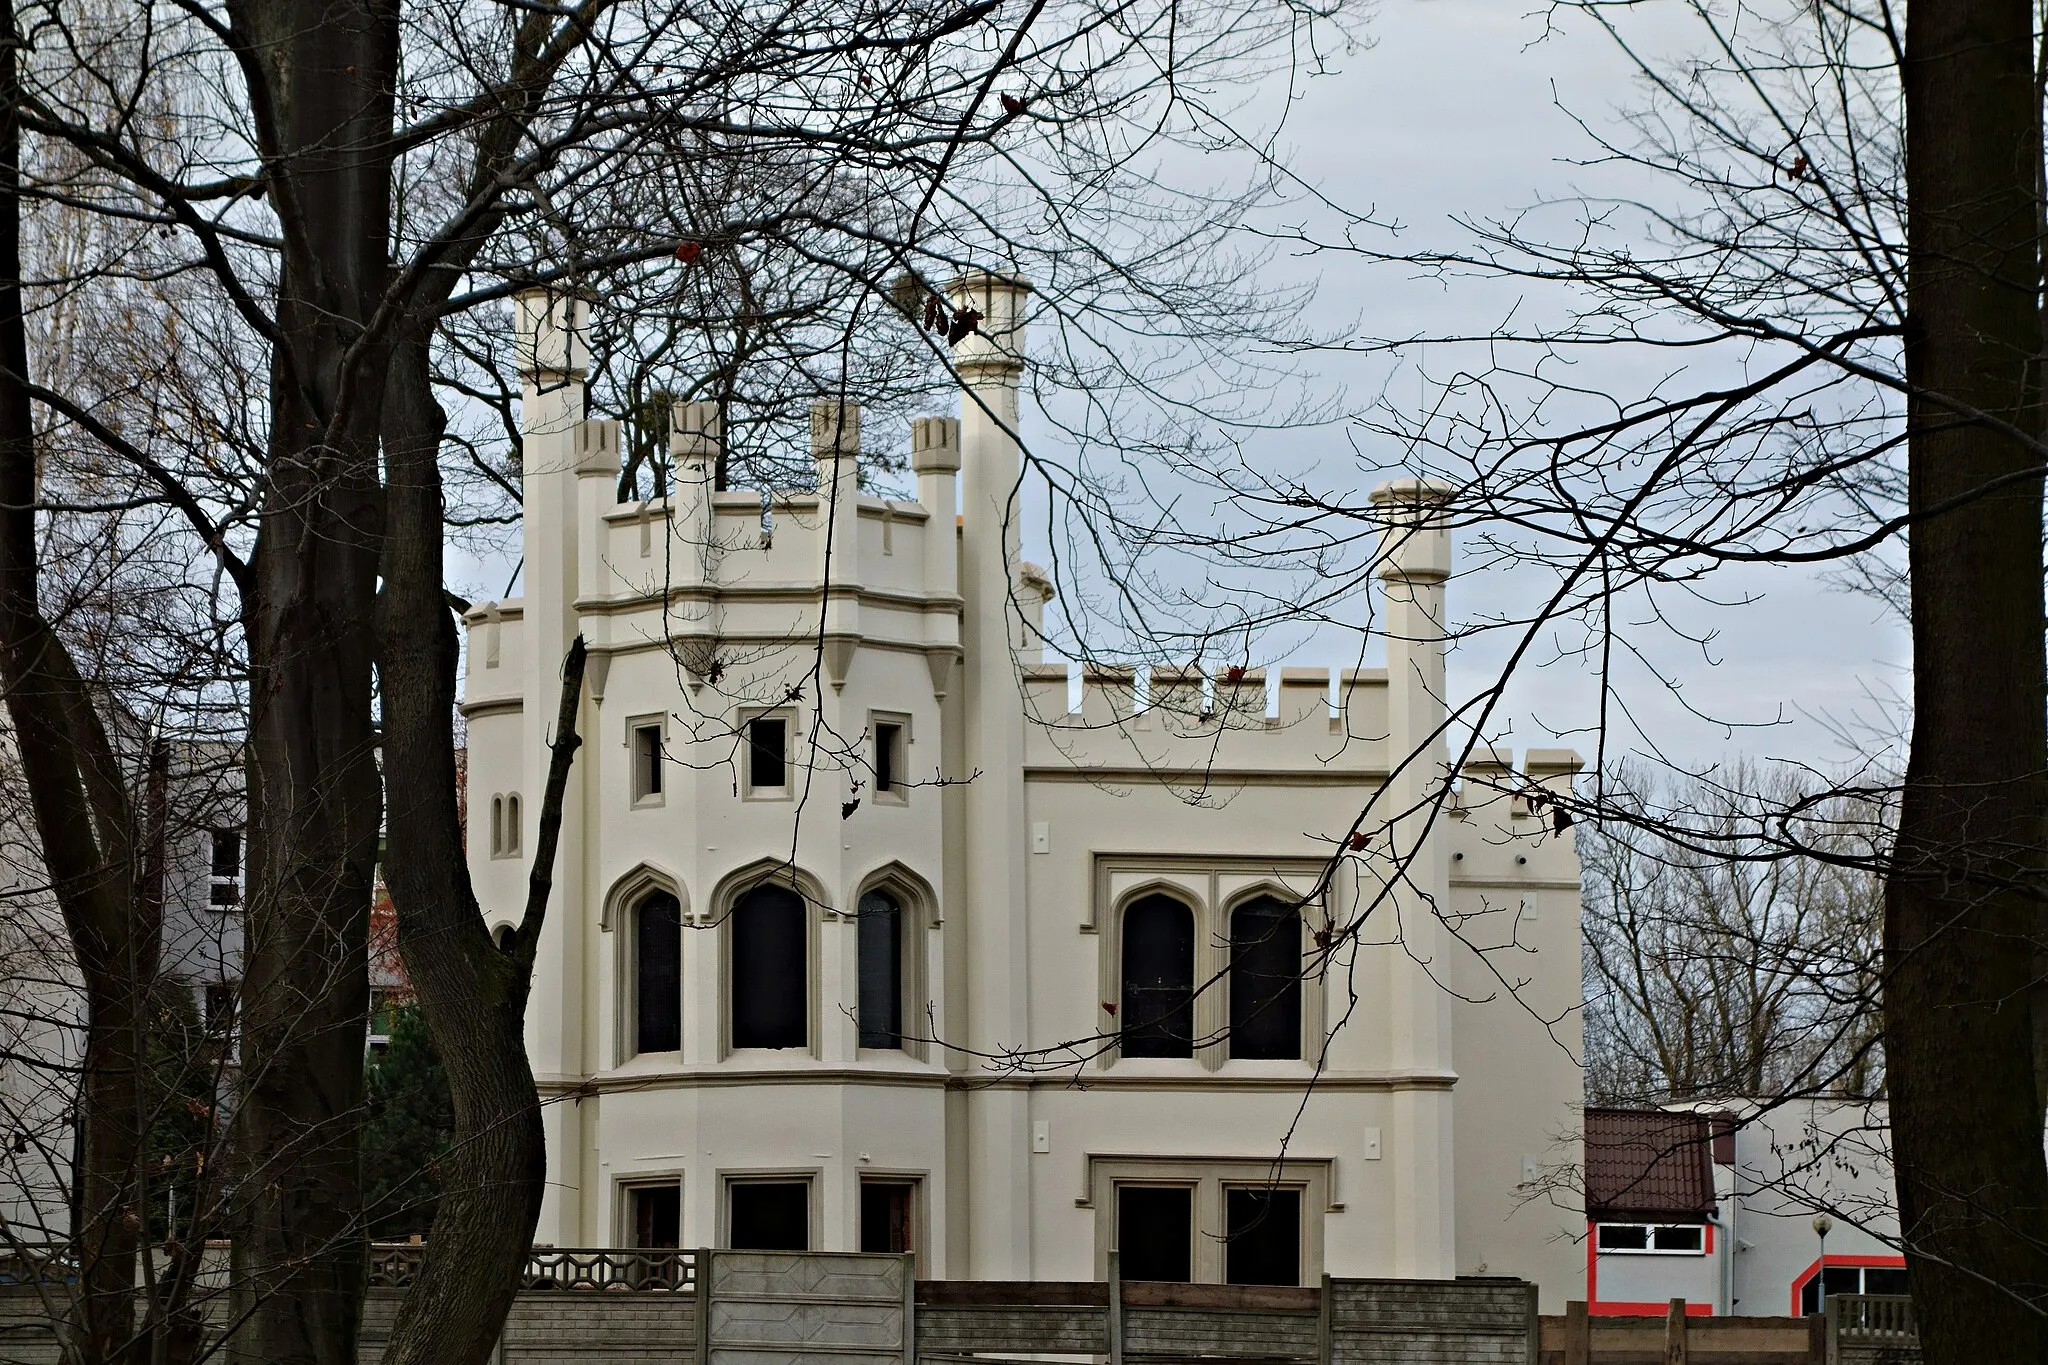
x: 1437, y: 1076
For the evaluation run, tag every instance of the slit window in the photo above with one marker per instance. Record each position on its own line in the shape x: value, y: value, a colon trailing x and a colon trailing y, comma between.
x: 1155, y: 1232
x: 1158, y: 978
x: 1265, y: 981
x: 770, y: 969
x: 1262, y: 1236
x: 889, y: 759
x: 887, y: 1208
x: 647, y: 758
x: 768, y: 754
x: 658, y: 974
x: 512, y: 825
x: 881, y: 970
x: 656, y: 1214
x: 768, y: 1215
x: 225, y: 883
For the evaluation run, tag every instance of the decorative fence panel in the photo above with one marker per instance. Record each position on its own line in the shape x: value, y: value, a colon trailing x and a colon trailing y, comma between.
x: 1872, y: 1329
x: 808, y: 1308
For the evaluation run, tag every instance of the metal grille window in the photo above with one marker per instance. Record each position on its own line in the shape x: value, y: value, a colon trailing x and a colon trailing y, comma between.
x: 1158, y: 978
x: 658, y: 974
x: 770, y: 969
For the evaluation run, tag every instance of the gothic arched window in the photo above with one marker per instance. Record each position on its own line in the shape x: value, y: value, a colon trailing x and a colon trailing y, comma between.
x: 770, y: 969
x: 658, y: 974
x: 1265, y: 979
x: 1158, y: 978
x: 881, y: 970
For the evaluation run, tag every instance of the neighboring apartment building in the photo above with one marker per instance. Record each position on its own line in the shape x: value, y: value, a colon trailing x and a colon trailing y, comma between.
x: 851, y: 891
x: 187, y: 798
x: 1717, y: 1205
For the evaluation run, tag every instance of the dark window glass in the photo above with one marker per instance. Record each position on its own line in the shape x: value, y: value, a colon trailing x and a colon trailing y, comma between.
x: 769, y: 1216
x: 768, y: 752
x: 1834, y: 1279
x: 1159, y: 979
x: 658, y: 974
x: 887, y: 738
x: 885, y: 1208
x: 1884, y: 1279
x: 227, y: 853
x: 647, y: 761
x: 1265, y: 980
x: 1263, y: 1236
x: 224, y: 892
x: 881, y: 971
x: 1155, y: 1227
x: 657, y: 1215
x: 220, y: 1006
x: 1679, y: 1237
x: 1624, y: 1237
x: 770, y: 977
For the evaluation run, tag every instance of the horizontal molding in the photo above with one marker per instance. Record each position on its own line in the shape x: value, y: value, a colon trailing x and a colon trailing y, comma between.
x: 725, y: 1078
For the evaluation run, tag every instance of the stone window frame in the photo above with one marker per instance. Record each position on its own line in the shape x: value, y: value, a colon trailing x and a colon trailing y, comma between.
x: 656, y: 721
x: 811, y: 1177
x: 619, y: 910
x: 1213, y: 886
x: 744, y: 757
x: 725, y: 898
x: 899, y: 795
x: 1209, y: 1176
x: 652, y: 1178
x: 918, y: 903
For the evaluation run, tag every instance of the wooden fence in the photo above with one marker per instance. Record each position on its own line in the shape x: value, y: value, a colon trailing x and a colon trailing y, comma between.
x: 1858, y: 1329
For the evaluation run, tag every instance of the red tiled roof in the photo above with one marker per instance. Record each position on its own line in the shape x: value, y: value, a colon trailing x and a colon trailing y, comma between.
x: 1643, y: 1163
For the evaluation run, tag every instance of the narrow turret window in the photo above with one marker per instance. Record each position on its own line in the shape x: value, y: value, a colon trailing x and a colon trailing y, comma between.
x: 768, y: 754
x: 646, y: 762
x: 1158, y: 978
x: 1265, y: 980
x: 881, y: 970
x: 770, y: 969
x: 658, y: 974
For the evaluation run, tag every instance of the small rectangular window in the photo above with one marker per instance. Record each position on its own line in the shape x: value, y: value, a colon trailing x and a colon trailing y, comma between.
x: 768, y: 753
x: 888, y: 758
x: 1155, y: 1232
x: 225, y: 882
x: 886, y: 1210
x: 220, y: 1007
x: 1262, y: 1229
x: 768, y: 1215
x: 656, y: 1212
x: 1679, y: 1237
x: 647, y: 757
x: 1624, y: 1237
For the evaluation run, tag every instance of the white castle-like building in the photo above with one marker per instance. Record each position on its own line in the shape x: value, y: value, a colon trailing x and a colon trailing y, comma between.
x: 863, y: 938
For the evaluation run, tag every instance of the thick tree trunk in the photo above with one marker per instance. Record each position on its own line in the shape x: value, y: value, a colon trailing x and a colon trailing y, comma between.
x: 1965, y: 893
x: 474, y: 995
x: 321, y: 75
x: 84, y: 823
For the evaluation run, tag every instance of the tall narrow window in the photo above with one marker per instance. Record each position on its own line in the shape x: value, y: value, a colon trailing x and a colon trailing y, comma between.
x: 658, y: 974
x: 1158, y: 978
x: 768, y: 1215
x: 226, y: 881
x: 646, y: 762
x: 888, y: 758
x: 1265, y: 980
x: 497, y: 826
x: 1155, y: 1232
x: 881, y: 971
x: 770, y: 969
x: 886, y: 1210
x: 512, y: 825
x: 768, y: 753
x: 1262, y: 1231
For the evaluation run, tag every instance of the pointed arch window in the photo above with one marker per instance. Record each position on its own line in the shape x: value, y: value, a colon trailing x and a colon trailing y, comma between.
x: 881, y: 970
x: 1158, y: 978
x: 1265, y: 979
x: 658, y: 974
x: 770, y: 969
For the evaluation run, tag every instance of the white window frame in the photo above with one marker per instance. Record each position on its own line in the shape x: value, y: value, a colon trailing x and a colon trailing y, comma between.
x: 641, y: 798
x: 1649, y: 1247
